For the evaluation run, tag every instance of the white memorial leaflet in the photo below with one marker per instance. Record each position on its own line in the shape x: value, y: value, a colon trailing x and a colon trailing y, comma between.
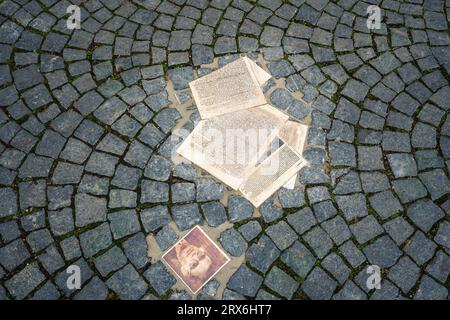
x: 228, y: 146
x: 291, y: 183
x: 294, y: 134
x: 233, y: 87
x: 271, y: 174
x: 237, y: 139
x: 261, y: 75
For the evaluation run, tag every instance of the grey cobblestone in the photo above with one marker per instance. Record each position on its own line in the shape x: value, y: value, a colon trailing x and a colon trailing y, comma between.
x: 160, y: 279
x: 127, y: 283
x: 245, y: 281
x: 262, y: 254
x: 318, y: 285
x: 232, y: 241
x: 404, y: 274
x: 280, y: 282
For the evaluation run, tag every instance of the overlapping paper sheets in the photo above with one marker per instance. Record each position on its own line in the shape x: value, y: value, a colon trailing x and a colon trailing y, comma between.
x: 241, y: 140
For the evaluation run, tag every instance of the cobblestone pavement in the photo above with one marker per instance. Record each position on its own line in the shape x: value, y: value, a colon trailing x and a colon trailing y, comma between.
x: 86, y: 176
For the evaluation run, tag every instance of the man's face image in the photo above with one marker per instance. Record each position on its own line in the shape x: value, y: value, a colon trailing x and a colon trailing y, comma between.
x: 194, y: 260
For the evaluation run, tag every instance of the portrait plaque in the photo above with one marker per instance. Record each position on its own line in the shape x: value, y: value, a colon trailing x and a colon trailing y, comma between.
x: 195, y: 259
